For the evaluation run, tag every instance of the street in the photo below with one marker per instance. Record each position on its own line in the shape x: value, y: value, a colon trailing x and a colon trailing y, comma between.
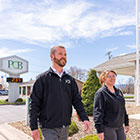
x: 11, y: 113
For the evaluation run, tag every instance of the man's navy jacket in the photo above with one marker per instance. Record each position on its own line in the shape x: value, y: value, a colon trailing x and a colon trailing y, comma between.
x: 52, y: 98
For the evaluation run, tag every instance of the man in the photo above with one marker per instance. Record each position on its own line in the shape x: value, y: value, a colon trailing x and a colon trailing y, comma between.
x: 52, y: 97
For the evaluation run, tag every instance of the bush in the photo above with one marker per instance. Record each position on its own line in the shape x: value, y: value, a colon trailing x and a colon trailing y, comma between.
x: 92, y: 137
x: 19, y: 100
x: 6, y: 100
x: 73, y: 128
x: 88, y: 91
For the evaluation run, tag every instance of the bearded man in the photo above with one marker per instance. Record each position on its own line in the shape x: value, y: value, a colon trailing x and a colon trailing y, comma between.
x: 53, y: 95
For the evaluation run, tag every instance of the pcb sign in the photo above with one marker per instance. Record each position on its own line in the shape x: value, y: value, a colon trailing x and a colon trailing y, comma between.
x: 13, y: 65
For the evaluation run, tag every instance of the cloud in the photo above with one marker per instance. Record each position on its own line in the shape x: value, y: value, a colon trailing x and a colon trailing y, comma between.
x: 111, y: 49
x: 131, y: 46
x: 126, y: 33
x: 45, y: 25
x: 8, y: 52
x: 123, y: 54
x: 3, y: 5
x: 48, y: 21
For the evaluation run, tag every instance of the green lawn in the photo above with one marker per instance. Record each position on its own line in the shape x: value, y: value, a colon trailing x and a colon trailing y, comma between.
x: 128, y: 97
x: 2, y: 102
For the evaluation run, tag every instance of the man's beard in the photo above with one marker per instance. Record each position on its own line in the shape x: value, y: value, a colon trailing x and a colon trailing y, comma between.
x: 59, y: 62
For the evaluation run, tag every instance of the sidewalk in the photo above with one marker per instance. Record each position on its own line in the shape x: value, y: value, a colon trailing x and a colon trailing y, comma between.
x: 8, y: 132
x: 12, y: 113
x: 135, y: 116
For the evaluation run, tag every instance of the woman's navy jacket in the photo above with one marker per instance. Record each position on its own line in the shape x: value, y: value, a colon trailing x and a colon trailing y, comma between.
x: 109, y: 109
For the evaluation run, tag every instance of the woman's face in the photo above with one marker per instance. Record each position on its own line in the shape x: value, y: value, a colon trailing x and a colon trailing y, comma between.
x: 110, y: 79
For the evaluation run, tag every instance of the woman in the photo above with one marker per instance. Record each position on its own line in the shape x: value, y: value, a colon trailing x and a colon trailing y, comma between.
x: 109, y: 109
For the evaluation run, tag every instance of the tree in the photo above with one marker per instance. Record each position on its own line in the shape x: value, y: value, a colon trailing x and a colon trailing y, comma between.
x: 89, y: 89
x: 129, y: 88
x: 77, y: 73
x: 121, y: 85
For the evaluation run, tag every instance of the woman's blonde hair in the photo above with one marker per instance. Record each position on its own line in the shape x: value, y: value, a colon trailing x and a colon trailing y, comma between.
x: 104, y: 74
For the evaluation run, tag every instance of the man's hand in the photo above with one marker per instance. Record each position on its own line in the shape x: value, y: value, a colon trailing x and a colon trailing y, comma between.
x: 87, y: 125
x: 127, y: 129
x: 36, y: 134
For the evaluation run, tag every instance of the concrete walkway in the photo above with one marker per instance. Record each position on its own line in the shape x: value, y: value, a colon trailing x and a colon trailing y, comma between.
x: 8, y: 132
x: 12, y: 113
x: 135, y: 116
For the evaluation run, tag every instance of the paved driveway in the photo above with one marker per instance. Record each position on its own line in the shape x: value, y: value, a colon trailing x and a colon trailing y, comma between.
x: 11, y: 113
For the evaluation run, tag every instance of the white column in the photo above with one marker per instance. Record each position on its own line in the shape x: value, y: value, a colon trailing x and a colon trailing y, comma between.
x: 13, y: 93
x: 27, y: 110
x: 26, y: 90
x: 137, y: 52
x: 21, y: 90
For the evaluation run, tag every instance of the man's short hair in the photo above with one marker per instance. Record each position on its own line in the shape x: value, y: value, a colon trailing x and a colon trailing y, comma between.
x: 53, y: 49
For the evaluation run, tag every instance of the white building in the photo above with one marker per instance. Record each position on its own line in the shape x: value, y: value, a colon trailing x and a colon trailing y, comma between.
x: 123, y: 65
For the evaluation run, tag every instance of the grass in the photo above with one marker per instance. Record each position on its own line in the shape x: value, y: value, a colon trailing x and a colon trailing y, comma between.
x: 73, y: 128
x: 92, y: 137
x: 128, y: 97
x: 3, y: 102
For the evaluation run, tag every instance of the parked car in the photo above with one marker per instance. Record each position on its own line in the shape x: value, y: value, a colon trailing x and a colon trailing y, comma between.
x: 3, y: 92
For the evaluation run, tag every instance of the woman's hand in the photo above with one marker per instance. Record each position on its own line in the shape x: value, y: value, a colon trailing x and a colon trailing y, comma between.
x: 101, y: 136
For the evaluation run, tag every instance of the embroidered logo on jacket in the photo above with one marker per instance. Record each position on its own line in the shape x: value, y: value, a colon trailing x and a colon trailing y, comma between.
x: 67, y: 81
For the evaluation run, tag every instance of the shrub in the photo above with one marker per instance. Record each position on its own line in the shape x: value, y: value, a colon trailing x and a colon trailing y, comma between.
x: 19, y: 100
x: 6, y: 100
x: 88, y: 91
x: 73, y: 128
x: 92, y: 137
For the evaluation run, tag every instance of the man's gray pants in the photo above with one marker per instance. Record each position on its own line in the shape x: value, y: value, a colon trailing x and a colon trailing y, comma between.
x: 114, y: 133
x: 56, y: 133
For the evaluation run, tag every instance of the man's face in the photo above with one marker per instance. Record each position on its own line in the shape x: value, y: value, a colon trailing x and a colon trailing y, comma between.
x: 60, y: 57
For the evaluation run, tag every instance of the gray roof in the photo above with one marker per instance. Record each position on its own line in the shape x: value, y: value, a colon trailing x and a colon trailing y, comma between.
x: 123, y: 65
